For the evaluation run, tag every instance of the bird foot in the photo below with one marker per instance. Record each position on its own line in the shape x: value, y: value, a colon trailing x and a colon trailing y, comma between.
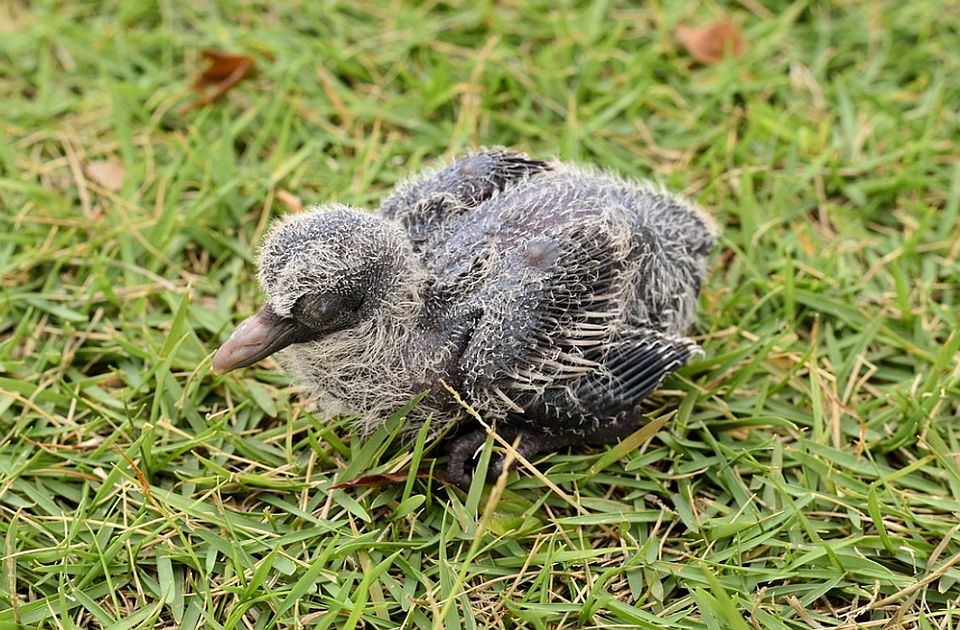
x: 465, y: 448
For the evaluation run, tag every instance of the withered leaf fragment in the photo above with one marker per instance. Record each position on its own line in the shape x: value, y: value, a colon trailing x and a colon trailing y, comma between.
x: 108, y: 173
x: 379, y: 479
x: 224, y: 72
x: 711, y: 43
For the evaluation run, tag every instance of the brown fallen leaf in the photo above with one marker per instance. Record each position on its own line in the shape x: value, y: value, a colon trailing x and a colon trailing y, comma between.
x: 224, y: 72
x: 713, y: 42
x: 379, y: 479
x: 108, y: 173
x: 727, y: 257
x: 290, y: 200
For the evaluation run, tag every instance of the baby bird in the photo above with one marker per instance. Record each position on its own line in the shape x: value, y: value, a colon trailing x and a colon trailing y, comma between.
x: 553, y: 298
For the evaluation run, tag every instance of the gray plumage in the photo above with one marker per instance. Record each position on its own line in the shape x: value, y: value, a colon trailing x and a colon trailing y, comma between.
x: 554, y: 298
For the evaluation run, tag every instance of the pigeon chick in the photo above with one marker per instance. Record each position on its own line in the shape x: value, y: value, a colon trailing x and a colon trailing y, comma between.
x: 553, y: 298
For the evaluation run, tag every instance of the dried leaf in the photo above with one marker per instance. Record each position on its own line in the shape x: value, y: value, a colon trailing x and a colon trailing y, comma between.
x: 713, y: 42
x: 290, y: 200
x: 224, y: 72
x: 108, y: 173
x: 379, y: 479
x: 222, y: 67
x: 727, y: 257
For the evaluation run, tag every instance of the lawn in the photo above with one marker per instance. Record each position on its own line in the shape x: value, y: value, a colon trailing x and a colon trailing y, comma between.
x: 805, y: 473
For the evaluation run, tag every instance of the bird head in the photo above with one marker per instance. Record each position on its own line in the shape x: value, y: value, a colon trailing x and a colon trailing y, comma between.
x: 324, y: 271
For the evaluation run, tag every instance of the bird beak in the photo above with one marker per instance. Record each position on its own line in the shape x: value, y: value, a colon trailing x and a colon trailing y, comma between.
x: 256, y: 338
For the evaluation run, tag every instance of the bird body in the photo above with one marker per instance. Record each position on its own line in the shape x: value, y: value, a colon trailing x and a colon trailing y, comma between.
x: 553, y: 298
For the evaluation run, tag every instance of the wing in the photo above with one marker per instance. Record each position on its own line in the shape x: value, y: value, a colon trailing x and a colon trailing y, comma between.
x: 553, y: 346
x: 601, y: 403
x: 630, y: 369
x: 426, y: 205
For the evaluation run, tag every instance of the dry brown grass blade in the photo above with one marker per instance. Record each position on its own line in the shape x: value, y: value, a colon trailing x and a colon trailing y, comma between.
x: 291, y: 201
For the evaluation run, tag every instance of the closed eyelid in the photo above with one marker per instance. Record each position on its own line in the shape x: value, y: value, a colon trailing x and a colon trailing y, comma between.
x: 328, y: 311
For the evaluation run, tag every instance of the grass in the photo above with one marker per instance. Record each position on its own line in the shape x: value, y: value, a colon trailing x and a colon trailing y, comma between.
x: 804, y: 474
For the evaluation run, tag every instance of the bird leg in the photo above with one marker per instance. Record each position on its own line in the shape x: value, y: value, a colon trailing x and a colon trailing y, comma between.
x: 464, y: 448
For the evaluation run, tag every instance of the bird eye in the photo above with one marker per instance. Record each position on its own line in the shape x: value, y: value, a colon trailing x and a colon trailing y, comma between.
x: 327, y: 312
x: 316, y: 310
